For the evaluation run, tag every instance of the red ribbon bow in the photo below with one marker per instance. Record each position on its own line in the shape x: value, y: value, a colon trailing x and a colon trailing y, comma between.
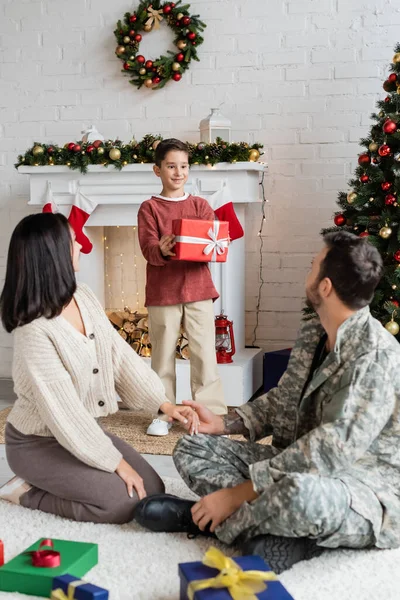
x: 45, y: 558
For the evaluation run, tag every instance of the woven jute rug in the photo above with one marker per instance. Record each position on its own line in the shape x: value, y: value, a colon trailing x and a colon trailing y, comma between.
x: 131, y: 426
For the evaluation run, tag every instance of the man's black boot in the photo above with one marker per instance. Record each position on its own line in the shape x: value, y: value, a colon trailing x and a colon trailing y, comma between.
x: 281, y: 553
x: 164, y: 512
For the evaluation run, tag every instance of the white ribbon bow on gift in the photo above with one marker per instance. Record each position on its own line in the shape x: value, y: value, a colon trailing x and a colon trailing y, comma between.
x: 215, y: 247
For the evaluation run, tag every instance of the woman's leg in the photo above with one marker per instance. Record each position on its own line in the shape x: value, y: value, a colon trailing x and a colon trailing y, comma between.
x: 64, y: 486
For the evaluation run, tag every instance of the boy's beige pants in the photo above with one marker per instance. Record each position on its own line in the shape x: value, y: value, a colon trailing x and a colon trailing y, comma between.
x: 198, y: 323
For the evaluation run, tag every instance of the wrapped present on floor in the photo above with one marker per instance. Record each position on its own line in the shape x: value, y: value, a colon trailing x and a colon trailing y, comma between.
x: 32, y: 571
x: 200, y: 241
x: 68, y: 587
x: 218, y: 577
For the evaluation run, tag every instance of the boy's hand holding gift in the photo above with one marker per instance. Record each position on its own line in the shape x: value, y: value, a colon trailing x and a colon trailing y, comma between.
x: 166, y: 244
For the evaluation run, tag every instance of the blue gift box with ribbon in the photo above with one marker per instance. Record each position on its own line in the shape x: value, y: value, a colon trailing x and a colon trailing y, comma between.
x: 68, y: 587
x: 195, y: 573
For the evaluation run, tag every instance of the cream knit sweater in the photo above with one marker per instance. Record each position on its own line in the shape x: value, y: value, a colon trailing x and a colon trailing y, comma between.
x: 65, y: 380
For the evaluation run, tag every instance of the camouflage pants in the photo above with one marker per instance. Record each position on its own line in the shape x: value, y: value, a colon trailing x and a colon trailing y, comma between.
x: 298, y: 505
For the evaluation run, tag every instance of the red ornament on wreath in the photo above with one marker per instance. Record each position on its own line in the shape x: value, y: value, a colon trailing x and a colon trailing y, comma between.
x: 387, y: 99
x: 364, y: 159
x: 392, y: 77
x: 90, y: 148
x: 384, y: 150
x: 149, y: 64
x: 396, y: 256
x: 386, y: 185
x: 364, y: 178
x: 394, y: 302
x: 77, y: 148
x: 71, y: 146
x: 97, y: 143
x: 50, y: 149
x: 389, y: 126
x: 364, y: 234
x: 390, y: 199
x: 187, y: 30
x: 339, y: 220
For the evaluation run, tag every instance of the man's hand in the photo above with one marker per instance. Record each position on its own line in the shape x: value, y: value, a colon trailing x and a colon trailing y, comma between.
x: 132, y: 479
x: 208, y: 422
x: 184, y: 414
x: 219, y: 506
x: 166, y: 244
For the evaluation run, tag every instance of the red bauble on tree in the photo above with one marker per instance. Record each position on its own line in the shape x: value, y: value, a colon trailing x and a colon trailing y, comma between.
x: 339, y: 220
x: 396, y: 256
x: 126, y: 66
x: 387, y: 99
x: 138, y: 38
x: 186, y: 21
x: 132, y: 32
x: 364, y: 159
x: 167, y: 9
x: 191, y: 36
x: 97, y: 143
x: 390, y: 126
x: 156, y: 80
x: 140, y: 59
x: 149, y: 64
x: 50, y: 149
x: 364, y: 234
x: 364, y: 178
x: 386, y: 185
x: 90, y: 148
x: 384, y: 150
x: 176, y: 76
x: 392, y: 77
x: 387, y: 85
x: 394, y: 302
x: 77, y: 148
x: 133, y: 18
x: 180, y: 57
x: 71, y: 146
x: 390, y: 199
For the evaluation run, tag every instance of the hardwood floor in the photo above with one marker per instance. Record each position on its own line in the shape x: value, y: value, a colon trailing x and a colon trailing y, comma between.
x: 162, y: 464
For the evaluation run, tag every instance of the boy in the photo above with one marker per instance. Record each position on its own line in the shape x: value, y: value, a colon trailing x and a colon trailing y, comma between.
x: 178, y: 291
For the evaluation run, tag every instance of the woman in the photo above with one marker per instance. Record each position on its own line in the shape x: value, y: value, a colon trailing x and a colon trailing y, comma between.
x: 69, y: 362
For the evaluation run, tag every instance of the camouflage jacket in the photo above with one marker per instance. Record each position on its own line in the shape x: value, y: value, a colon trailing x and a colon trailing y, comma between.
x: 346, y: 425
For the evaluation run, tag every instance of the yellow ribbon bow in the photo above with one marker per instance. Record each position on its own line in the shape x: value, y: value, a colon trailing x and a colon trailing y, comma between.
x: 242, y: 585
x: 58, y: 594
x: 155, y: 17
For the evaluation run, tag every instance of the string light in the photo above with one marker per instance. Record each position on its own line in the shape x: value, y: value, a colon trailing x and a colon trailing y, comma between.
x: 263, y: 203
x: 135, y: 267
x: 108, y: 284
x: 122, y: 278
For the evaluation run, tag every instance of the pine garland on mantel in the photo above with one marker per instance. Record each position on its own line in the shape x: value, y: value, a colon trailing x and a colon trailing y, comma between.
x: 79, y: 155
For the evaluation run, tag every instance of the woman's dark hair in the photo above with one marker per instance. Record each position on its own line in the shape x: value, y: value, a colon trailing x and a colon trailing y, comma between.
x: 167, y: 145
x: 40, y: 278
x: 354, y: 267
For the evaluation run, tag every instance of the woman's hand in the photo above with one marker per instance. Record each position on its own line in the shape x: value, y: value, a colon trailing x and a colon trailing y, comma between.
x: 184, y: 414
x: 208, y: 421
x: 132, y: 479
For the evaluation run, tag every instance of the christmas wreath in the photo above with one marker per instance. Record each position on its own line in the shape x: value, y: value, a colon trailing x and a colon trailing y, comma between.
x: 156, y: 73
x: 79, y: 155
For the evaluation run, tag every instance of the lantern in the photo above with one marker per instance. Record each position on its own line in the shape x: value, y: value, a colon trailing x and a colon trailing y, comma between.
x: 90, y: 134
x: 213, y: 126
x: 224, y: 339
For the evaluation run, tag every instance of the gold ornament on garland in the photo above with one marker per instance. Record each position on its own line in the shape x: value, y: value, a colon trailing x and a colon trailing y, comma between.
x: 385, y: 232
x: 396, y: 58
x: 170, y: 66
x: 351, y: 196
x: 100, y: 150
x: 37, y: 150
x: 115, y: 154
x: 373, y: 147
x: 392, y: 326
x: 254, y: 155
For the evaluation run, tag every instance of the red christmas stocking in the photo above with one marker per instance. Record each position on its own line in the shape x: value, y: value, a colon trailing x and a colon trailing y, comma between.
x: 49, y: 206
x: 81, y: 210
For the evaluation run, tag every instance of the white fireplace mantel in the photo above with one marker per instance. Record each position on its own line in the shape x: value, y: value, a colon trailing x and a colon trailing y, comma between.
x: 118, y: 195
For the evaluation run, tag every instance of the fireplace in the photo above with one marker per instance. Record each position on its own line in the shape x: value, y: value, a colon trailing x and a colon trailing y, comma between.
x: 119, y: 195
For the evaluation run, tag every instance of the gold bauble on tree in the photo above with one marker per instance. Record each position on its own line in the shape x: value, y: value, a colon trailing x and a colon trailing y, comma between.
x: 179, y: 16
x: 142, y: 71
x: 100, y: 150
x: 127, y: 39
x: 385, y: 232
x: 181, y: 44
x: 373, y: 147
x: 392, y: 327
x: 148, y: 83
x: 120, y: 50
x: 115, y: 154
x: 254, y: 155
x: 351, y: 196
x: 37, y: 150
x: 396, y: 58
x: 176, y: 66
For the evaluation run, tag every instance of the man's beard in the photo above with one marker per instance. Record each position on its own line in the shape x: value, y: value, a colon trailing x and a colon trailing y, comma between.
x: 313, y: 299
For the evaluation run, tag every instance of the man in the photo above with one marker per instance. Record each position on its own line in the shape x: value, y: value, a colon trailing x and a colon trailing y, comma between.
x: 332, y: 476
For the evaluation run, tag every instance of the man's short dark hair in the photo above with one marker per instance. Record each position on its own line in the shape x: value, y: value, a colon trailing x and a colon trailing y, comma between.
x: 165, y: 146
x: 354, y: 267
x: 40, y: 279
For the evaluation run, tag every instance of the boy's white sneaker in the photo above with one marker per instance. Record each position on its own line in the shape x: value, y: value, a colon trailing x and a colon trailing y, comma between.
x: 158, y: 427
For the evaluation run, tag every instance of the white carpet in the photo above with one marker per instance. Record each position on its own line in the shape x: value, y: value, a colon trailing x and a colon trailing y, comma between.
x: 137, y: 565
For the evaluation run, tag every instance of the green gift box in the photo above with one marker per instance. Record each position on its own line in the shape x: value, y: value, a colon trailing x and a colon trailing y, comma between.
x: 20, y: 575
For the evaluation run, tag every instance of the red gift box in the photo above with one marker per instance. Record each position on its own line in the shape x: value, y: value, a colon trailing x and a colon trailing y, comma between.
x: 200, y: 241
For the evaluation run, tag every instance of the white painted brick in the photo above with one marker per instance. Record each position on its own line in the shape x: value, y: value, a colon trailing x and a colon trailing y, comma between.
x: 81, y: 82
x: 284, y: 57
x: 240, y: 28
x: 306, y: 40
x: 360, y: 5
x: 77, y: 113
x: 351, y: 104
x: 321, y: 136
x: 340, y: 22
x: 16, y: 11
x: 356, y: 133
x: 291, y: 152
x: 208, y: 77
x: 51, y: 38
x: 277, y: 22
x: 42, y: 54
x: 313, y: 169
x: 38, y: 113
x: 254, y: 8
x: 214, y: 10
x: 8, y: 115
x: 219, y: 43
x: 309, y: 6
x: 28, y: 39
x: 257, y: 42
x: 355, y: 71
x: 308, y: 72
x: 12, y: 72
x: 377, y: 54
x: 334, y: 183
x: 369, y: 86
x: 332, y: 119
x: 291, y: 89
x: 338, y: 150
x: 63, y: 68
x: 303, y: 105
x: 260, y: 75
x: 280, y: 136
x: 332, y: 88
x: 26, y: 129
x: 11, y: 55
x: 237, y: 60
x: 64, y: 98
x: 298, y: 121
x: 333, y: 55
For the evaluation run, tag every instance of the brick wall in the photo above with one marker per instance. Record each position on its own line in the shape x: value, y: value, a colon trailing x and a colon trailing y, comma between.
x: 301, y: 76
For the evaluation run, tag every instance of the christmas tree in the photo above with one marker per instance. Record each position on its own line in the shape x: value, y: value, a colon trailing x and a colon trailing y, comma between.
x: 371, y: 208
